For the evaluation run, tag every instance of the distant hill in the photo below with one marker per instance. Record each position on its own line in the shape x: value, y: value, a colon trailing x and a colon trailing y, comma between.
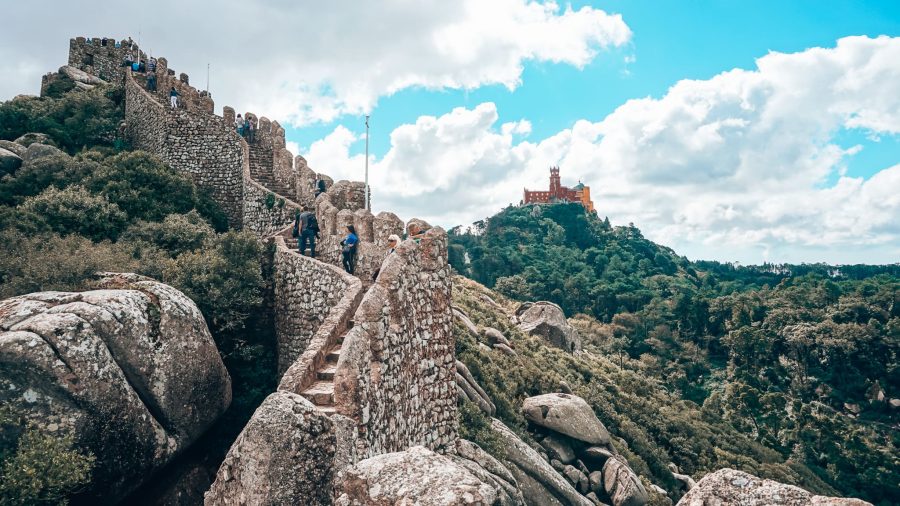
x: 804, y: 358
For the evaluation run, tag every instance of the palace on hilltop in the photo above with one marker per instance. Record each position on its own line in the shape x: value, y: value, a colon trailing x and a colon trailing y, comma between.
x: 559, y: 193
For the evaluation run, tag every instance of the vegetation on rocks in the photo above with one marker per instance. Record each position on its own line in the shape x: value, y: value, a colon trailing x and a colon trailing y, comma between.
x: 803, y: 359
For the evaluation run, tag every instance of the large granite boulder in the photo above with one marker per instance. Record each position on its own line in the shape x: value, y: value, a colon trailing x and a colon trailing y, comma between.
x: 80, y: 76
x: 130, y: 370
x: 622, y: 485
x: 33, y: 137
x: 566, y: 414
x: 415, y: 476
x: 14, y: 147
x: 489, y: 470
x: 284, y: 455
x: 547, y: 321
x: 541, y: 485
x: 38, y: 150
x: 9, y: 162
x: 728, y: 486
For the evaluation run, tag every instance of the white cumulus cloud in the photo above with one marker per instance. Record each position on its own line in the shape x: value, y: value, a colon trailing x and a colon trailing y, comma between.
x: 733, y: 167
x: 314, y: 61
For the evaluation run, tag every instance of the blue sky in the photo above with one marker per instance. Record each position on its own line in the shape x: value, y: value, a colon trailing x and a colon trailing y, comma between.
x: 672, y: 41
x: 750, y: 131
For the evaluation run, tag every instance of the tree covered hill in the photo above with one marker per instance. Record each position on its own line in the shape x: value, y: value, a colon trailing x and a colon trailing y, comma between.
x: 804, y: 358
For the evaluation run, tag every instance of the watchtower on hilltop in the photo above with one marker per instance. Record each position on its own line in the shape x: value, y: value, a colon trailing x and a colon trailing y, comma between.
x: 559, y: 193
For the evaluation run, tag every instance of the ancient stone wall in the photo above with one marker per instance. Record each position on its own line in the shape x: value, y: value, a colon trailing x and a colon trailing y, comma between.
x: 395, y: 376
x: 195, y: 142
x: 265, y: 212
x: 309, y: 297
x: 102, y: 57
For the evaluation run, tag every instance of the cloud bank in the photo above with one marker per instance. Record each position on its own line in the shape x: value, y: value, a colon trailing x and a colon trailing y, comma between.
x: 734, y: 167
x: 303, y: 62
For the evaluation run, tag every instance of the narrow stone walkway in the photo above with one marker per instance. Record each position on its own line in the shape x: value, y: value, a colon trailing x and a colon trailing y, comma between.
x: 321, y: 393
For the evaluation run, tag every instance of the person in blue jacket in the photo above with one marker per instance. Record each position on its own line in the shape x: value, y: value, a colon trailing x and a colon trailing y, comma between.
x: 349, y: 249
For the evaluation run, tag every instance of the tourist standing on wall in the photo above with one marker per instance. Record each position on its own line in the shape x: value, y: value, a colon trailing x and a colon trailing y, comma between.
x: 173, y: 97
x: 151, y: 82
x: 251, y: 127
x: 348, y: 250
x: 306, y: 229
x: 393, y: 241
x: 151, y: 65
x: 239, y: 125
x: 320, y: 187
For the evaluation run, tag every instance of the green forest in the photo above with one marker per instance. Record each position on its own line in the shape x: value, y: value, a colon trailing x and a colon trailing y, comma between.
x: 801, y: 358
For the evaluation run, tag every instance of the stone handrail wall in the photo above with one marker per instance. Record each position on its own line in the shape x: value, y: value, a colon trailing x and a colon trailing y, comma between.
x: 395, y: 377
x: 314, y: 303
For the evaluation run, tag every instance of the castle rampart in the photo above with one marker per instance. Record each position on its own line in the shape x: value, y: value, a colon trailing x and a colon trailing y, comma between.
x: 395, y: 377
x: 197, y: 143
x: 390, y: 350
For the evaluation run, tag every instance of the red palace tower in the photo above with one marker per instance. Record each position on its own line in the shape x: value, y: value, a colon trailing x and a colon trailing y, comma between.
x: 560, y: 193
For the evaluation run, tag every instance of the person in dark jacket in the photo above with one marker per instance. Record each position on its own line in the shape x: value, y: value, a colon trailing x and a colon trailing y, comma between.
x: 307, y: 229
x: 348, y: 250
x: 173, y: 97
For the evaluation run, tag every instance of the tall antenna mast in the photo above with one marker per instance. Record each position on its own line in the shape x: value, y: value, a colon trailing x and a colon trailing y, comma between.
x: 207, y: 78
x: 367, y: 163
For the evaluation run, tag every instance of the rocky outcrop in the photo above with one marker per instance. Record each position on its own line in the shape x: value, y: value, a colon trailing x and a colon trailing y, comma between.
x: 469, y: 389
x: 415, y: 476
x: 566, y: 414
x: 579, y: 447
x: 14, y: 147
x: 33, y: 137
x: 540, y: 484
x: 729, y: 486
x: 489, y: 470
x: 285, y: 455
x: 9, y: 162
x: 38, y: 150
x: 80, y: 76
x: 547, y: 321
x: 131, y: 371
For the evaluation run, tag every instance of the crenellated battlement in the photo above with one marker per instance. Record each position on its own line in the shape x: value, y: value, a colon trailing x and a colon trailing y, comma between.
x: 394, y: 387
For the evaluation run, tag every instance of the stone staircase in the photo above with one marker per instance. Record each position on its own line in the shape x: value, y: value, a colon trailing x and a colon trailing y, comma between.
x: 261, y: 170
x: 321, y: 393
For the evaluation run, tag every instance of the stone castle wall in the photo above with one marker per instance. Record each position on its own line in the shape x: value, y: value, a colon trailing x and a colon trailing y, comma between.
x: 395, y: 376
x: 195, y: 142
x: 309, y: 297
x: 101, y: 57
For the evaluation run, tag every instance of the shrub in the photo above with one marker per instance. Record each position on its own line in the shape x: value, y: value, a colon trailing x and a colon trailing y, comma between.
x: 38, y: 468
x: 224, y: 280
x: 49, y: 262
x: 143, y: 186
x: 74, y: 210
x: 74, y: 120
x: 475, y: 426
x: 176, y: 234
x: 54, y: 170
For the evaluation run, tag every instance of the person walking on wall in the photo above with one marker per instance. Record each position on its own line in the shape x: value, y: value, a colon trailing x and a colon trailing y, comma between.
x: 151, y: 81
x: 251, y: 128
x: 173, y: 97
x: 239, y: 125
x: 348, y: 250
x: 320, y: 187
x: 306, y: 229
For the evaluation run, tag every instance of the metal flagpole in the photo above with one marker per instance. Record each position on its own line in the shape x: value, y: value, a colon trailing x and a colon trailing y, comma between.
x: 207, y: 78
x: 367, y: 163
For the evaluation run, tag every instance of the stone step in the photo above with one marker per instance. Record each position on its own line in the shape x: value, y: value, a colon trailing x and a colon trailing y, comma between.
x: 321, y: 393
x: 328, y: 410
x: 333, y: 355
x: 327, y: 372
